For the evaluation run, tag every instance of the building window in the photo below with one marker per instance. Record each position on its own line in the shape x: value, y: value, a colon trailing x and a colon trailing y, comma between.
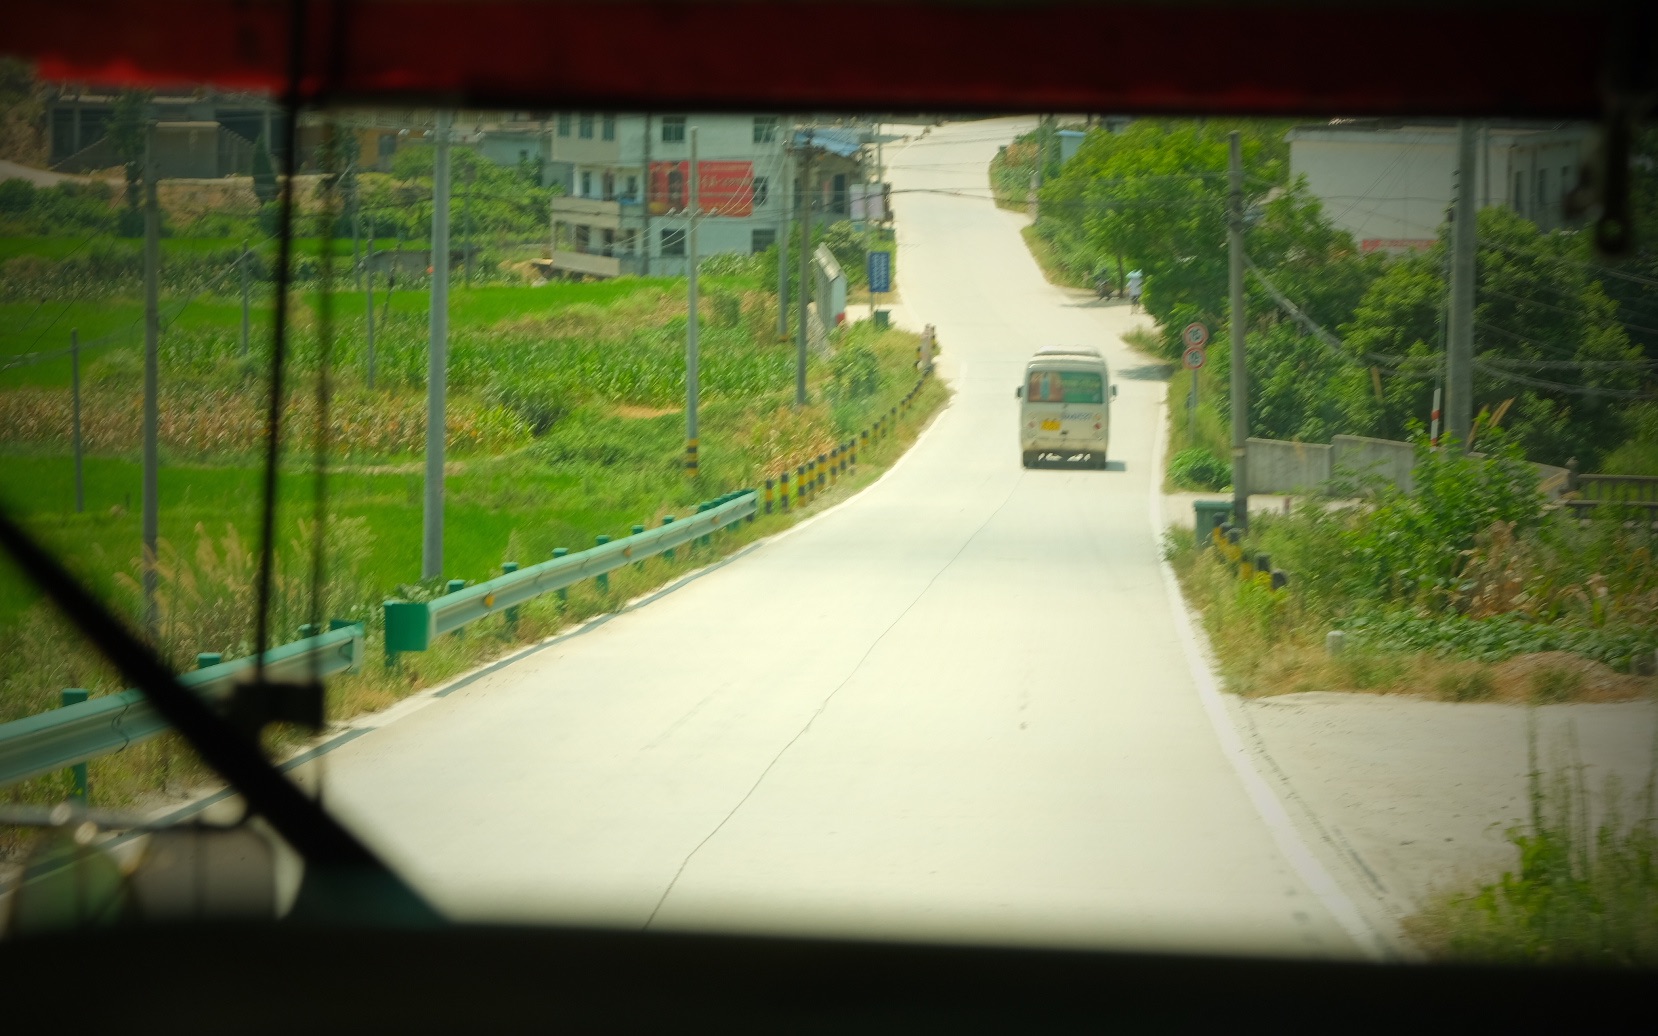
x: 608, y: 129
x: 633, y: 188
x: 586, y: 185
x: 609, y: 241
x: 584, y: 129
x: 1565, y: 187
x: 673, y: 129
x: 760, y: 240
x: 584, y: 238
x: 564, y: 124
x: 673, y: 242
x: 609, y: 185
x: 630, y: 242
x: 765, y: 129
x: 762, y: 190
x: 1520, y: 193
x: 1542, y: 190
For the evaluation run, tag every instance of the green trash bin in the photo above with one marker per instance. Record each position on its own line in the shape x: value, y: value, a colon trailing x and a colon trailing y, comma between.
x: 882, y: 320
x: 1211, y: 514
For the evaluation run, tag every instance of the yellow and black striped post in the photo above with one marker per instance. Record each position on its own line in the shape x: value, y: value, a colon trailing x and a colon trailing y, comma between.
x: 822, y: 471
x: 800, y: 485
x: 834, y: 464
x: 691, y: 457
x: 864, y: 435
x: 768, y: 496
x: 852, y: 455
x: 783, y: 482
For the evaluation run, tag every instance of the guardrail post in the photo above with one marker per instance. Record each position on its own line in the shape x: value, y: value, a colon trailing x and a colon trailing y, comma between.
x: 637, y: 565
x: 768, y: 495
x: 756, y: 511
x: 308, y: 629
x: 1571, y: 475
x: 79, y: 789
x: 668, y: 519
x: 207, y: 658
x: 508, y: 568
x: 563, y: 592
x: 864, y: 436
x: 783, y: 484
x: 822, y: 472
x: 834, y: 464
x: 455, y: 586
x: 800, y: 485
x: 603, y: 578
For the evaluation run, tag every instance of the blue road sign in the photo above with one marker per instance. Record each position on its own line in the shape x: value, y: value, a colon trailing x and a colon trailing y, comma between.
x: 880, y: 271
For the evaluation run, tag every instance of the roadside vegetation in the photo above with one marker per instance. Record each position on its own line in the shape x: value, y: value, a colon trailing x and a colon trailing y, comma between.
x: 1584, y: 892
x: 1467, y: 589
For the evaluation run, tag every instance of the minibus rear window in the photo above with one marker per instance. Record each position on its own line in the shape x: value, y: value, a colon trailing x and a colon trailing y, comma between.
x: 1065, y: 387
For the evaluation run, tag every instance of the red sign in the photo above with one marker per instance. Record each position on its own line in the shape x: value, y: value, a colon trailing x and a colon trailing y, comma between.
x: 723, y: 188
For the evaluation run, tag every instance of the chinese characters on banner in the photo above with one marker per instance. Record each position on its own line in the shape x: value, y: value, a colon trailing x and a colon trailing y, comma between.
x: 724, y: 188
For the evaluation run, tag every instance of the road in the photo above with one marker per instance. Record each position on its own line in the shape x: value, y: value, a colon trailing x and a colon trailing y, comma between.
x: 958, y: 706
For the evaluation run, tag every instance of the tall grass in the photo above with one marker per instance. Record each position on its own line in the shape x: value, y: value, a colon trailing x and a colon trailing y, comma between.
x: 1585, y: 891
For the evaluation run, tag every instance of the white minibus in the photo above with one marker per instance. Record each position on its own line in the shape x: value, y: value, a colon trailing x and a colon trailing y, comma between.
x: 1064, y: 411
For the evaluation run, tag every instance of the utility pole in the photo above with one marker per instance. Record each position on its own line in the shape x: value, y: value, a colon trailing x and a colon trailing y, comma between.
x: 691, y: 320
x: 783, y: 205
x: 244, y: 271
x: 75, y: 393
x: 1240, y: 373
x: 1459, y: 367
x: 152, y: 380
x: 466, y: 219
x: 803, y: 291
x: 368, y: 261
x: 437, y: 358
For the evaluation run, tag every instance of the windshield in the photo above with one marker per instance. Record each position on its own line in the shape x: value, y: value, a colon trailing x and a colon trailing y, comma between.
x: 711, y: 605
x: 1066, y: 387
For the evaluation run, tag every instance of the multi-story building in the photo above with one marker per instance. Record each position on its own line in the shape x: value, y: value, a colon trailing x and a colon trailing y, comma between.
x: 626, y: 203
x: 1389, y: 183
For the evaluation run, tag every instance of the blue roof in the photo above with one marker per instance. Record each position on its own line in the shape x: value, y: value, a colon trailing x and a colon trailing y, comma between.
x: 843, y: 142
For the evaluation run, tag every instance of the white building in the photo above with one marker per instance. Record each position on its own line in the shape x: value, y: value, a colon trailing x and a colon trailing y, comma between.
x: 626, y: 206
x: 1389, y: 183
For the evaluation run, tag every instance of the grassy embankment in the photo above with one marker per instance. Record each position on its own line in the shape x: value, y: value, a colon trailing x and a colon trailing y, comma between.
x: 566, y: 421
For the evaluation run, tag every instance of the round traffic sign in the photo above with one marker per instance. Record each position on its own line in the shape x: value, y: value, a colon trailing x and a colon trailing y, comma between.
x: 1196, y: 335
x: 1194, y: 357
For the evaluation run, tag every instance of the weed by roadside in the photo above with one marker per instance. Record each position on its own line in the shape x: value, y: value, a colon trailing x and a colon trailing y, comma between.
x: 1585, y: 891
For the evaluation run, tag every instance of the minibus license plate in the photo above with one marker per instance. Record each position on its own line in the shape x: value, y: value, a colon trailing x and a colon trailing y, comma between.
x: 1050, y: 426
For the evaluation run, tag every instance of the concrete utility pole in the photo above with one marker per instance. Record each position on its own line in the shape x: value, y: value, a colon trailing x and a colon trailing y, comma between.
x: 75, y: 395
x: 804, y: 291
x: 368, y: 261
x: 243, y: 263
x: 691, y: 319
x: 152, y: 380
x: 1459, y: 351
x: 1240, y: 372
x: 783, y: 206
x: 437, y: 358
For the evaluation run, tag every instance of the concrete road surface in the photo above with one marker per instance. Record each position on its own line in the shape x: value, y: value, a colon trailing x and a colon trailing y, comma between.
x: 958, y: 707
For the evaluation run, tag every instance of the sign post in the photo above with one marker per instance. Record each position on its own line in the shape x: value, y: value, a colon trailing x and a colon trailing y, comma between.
x: 879, y: 268
x: 1195, y: 336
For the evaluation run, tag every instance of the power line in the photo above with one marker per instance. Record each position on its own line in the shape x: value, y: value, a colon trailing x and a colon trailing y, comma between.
x: 1556, y: 386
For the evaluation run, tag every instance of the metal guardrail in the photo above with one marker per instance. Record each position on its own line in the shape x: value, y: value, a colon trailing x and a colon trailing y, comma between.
x: 1589, y: 492
x: 413, y: 625
x: 73, y: 734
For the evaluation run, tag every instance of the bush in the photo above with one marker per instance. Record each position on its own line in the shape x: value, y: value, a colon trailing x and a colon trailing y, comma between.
x: 855, y: 372
x: 1196, y: 468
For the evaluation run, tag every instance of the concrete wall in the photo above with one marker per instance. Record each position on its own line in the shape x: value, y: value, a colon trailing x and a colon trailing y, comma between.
x: 1385, y: 458
x: 1276, y: 466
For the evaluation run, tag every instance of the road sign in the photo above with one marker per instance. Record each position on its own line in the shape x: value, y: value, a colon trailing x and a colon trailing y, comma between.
x: 1195, y: 336
x: 880, y: 271
x: 1194, y: 356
